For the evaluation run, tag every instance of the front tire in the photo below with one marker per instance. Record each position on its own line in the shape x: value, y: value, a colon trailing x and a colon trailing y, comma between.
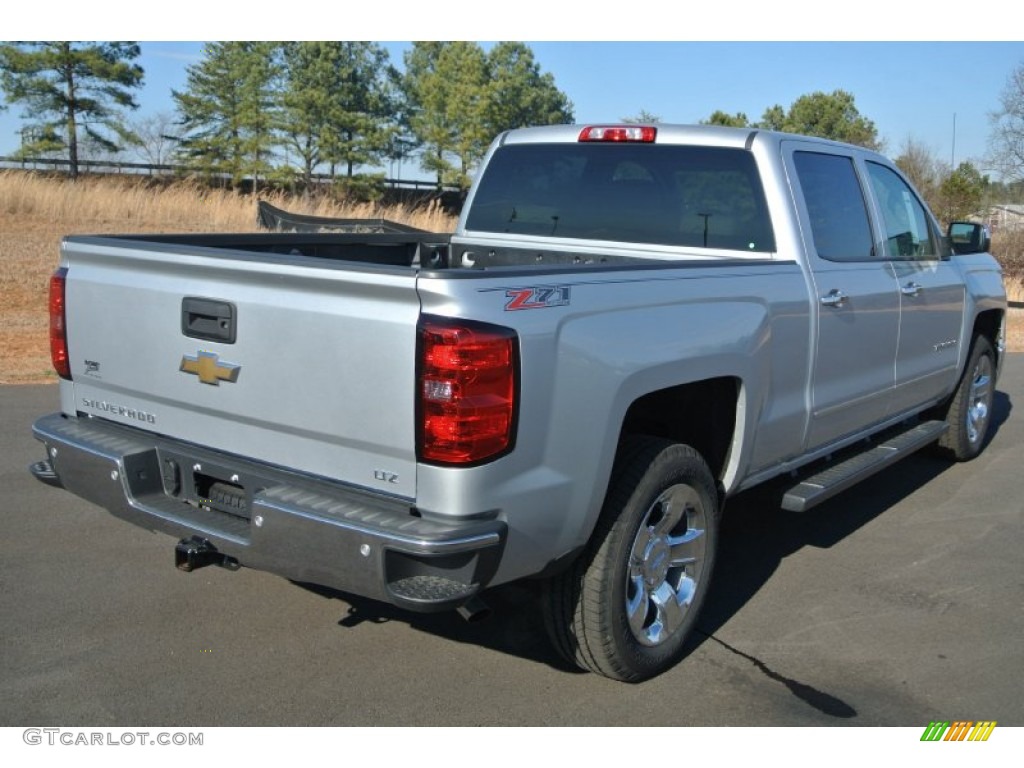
x: 970, y: 411
x: 625, y: 608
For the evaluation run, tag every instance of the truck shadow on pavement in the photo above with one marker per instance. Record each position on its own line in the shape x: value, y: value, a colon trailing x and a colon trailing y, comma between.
x: 756, y: 536
x: 514, y: 626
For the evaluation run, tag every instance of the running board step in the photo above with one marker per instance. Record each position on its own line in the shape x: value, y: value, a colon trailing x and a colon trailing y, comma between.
x: 838, y: 477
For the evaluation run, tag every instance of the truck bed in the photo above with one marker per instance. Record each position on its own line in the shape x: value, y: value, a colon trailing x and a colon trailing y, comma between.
x: 386, y: 250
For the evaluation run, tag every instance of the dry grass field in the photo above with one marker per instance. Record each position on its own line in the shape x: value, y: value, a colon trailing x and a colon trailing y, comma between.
x: 36, y: 211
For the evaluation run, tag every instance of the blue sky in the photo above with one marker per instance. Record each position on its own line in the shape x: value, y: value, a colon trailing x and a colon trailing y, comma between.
x: 909, y: 89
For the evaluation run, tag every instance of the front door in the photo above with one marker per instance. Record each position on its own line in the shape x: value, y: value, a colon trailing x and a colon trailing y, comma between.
x: 931, y: 294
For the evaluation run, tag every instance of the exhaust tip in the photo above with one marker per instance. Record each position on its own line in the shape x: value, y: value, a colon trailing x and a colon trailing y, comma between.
x: 474, y: 610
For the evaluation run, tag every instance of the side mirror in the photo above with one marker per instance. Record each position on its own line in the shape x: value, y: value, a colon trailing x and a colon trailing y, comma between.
x: 968, y: 237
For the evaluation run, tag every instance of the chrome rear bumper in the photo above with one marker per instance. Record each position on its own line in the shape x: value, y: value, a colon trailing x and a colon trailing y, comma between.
x: 302, y: 528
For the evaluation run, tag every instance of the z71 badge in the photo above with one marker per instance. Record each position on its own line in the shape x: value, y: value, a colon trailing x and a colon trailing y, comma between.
x: 537, y: 297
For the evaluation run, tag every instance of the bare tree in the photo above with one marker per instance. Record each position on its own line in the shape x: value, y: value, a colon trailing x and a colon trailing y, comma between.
x: 922, y: 167
x: 159, y: 134
x: 1006, y: 143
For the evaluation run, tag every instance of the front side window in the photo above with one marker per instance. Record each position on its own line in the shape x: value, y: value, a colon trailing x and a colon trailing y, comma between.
x: 835, y: 206
x: 703, y: 197
x: 907, y: 234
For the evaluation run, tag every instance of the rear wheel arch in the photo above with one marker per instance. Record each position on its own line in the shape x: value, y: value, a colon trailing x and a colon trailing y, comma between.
x: 701, y: 414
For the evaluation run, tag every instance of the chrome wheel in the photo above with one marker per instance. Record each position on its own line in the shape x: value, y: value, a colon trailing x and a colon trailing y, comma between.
x: 665, y: 565
x: 626, y: 606
x: 979, y: 403
x: 969, y: 412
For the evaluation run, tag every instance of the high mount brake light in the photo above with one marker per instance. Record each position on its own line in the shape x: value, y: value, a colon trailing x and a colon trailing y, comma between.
x: 58, y: 325
x: 467, y: 386
x: 644, y: 134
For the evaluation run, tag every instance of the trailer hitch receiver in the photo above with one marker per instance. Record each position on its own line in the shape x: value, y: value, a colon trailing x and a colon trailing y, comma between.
x: 196, y: 552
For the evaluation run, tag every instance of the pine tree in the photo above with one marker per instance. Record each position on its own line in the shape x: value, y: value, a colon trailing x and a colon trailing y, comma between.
x: 828, y: 115
x: 461, y: 98
x: 518, y: 94
x: 718, y: 117
x: 338, y: 104
x: 229, y: 110
x: 72, y: 91
x: 445, y: 86
x: 961, y: 193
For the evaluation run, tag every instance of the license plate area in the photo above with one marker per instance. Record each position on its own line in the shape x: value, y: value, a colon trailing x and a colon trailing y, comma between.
x: 221, y: 496
x: 207, y: 485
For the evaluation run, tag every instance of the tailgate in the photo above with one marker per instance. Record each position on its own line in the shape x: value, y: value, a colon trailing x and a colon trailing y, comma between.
x: 306, y: 364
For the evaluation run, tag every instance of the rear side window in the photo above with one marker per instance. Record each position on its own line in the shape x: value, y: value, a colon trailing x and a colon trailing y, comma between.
x: 835, y: 205
x: 703, y: 197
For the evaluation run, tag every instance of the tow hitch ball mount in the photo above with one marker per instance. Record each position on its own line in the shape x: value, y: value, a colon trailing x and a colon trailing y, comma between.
x: 196, y: 552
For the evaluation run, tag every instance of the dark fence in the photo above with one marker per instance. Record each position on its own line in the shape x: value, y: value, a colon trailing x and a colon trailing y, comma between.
x: 118, y: 167
x: 404, y: 191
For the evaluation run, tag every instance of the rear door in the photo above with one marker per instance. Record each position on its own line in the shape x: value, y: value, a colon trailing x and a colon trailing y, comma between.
x: 857, y: 304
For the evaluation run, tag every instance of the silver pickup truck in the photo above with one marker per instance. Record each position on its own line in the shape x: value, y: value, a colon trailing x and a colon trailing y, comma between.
x: 630, y: 325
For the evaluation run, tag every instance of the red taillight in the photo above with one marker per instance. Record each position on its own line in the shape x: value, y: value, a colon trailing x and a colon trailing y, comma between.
x: 641, y: 133
x: 58, y: 325
x: 467, y: 390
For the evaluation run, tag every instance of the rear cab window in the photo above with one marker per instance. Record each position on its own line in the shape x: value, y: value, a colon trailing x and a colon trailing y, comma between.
x: 835, y: 206
x: 672, y: 195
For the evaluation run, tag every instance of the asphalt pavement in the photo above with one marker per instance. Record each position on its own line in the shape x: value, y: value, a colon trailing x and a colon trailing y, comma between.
x: 897, y: 603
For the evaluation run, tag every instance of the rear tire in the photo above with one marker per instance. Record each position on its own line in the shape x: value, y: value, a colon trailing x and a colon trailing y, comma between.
x: 625, y: 608
x: 970, y: 411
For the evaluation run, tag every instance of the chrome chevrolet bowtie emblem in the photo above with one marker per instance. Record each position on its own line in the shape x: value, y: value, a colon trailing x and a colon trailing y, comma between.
x: 209, y: 368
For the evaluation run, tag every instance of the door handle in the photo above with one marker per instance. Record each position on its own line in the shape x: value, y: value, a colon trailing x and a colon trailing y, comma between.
x: 911, y: 289
x: 834, y: 298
